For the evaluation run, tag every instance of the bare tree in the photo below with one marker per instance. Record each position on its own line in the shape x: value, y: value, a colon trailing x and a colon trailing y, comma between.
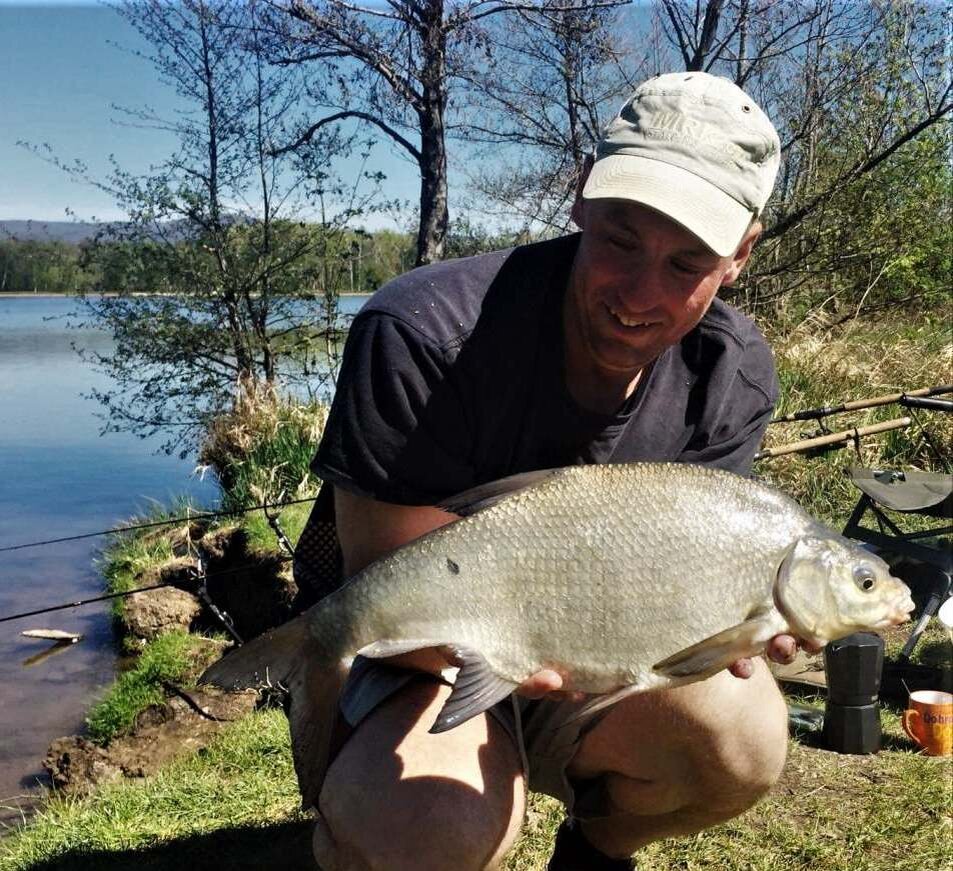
x: 539, y: 104
x: 851, y: 87
x: 396, y: 66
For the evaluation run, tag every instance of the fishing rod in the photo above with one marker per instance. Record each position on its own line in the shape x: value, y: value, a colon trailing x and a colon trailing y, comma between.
x: 834, y: 439
x: 151, y: 524
x: 106, y: 597
x: 909, y: 398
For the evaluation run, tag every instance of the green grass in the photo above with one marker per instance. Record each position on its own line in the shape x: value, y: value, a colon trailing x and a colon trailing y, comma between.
x: 170, y: 658
x: 261, y: 536
x: 889, y: 812
x: 244, y: 780
x: 863, y: 360
x: 128, y: 554
x: 262, y: 450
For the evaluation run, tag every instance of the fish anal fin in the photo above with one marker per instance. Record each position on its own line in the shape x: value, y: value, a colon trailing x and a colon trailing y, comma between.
x: 718, y: 651
x: 600, y: 703
x: 476, y: 689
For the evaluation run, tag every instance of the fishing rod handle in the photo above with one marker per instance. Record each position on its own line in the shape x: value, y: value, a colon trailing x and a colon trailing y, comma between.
x: 836, y: 438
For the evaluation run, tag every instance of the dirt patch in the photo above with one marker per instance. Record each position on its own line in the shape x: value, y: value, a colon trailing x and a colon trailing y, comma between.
x: 256, y: 591
x: 187, y: 722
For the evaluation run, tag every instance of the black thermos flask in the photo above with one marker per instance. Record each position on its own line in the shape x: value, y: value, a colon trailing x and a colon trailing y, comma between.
x: 852, y: 714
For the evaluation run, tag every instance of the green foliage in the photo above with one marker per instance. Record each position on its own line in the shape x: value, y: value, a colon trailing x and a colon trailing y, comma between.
x: 262, y: 449
x: 41, y: 267
x: 861, y: 220
x: 166, y: 659
x: 821, y: 367
x: 466, y: 238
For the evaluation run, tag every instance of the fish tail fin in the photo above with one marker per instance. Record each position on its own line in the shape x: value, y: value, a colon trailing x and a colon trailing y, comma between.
x: 268, y: 660
x: 290, y: 657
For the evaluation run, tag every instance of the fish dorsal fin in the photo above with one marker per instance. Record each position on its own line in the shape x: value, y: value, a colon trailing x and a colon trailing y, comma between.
x: 386, y: 647
x: 487, y: 495
x: 476, y: 689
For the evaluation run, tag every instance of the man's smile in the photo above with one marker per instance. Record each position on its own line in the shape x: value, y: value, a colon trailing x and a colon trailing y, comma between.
x: 627, y: 321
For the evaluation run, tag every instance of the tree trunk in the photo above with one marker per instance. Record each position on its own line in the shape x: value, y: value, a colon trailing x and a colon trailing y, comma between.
x: 434, y: 214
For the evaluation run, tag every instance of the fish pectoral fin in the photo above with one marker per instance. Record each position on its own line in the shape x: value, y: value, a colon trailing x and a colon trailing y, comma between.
x: 717, y: 652
x: 476, y: 689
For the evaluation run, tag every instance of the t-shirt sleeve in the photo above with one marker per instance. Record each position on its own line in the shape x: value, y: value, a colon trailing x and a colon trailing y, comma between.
x: 397, y: 431
x: 742, y: 415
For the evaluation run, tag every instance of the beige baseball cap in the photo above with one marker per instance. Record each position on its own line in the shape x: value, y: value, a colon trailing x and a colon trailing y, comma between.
x: 694, y: 147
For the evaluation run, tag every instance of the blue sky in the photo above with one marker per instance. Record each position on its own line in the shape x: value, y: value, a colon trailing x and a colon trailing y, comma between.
x: 59, y: 75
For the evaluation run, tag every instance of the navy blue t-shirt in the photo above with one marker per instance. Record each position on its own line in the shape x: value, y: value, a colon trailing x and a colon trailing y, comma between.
x: 453, y: 375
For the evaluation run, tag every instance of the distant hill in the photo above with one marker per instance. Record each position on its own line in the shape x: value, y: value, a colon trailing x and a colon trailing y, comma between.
x: 71, y: 232
x: 74, y: 232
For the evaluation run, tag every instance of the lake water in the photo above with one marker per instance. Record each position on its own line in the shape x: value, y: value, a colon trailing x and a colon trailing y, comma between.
x: 59, y: 477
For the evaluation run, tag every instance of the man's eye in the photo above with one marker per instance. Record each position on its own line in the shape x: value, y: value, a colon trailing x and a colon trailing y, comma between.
x: 685, y: 268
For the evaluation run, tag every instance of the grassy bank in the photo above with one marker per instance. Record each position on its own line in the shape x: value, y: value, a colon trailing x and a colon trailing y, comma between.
x: 822, y: 367
x: 174, y: 658
x: 235, y: 804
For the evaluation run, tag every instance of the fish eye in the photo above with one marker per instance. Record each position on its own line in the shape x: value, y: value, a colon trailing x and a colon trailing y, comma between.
x: 864, y: 579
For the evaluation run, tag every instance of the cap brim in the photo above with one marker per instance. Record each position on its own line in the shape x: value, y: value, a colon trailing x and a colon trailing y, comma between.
x: 717, y: 219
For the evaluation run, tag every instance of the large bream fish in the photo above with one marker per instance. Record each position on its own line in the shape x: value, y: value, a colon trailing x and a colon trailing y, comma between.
x: 623, y: 578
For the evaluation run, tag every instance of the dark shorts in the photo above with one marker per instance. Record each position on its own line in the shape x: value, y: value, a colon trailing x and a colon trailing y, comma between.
x: 545, y: 741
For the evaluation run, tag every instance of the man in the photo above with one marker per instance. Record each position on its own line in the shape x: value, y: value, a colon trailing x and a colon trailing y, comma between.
x: 605, y: 346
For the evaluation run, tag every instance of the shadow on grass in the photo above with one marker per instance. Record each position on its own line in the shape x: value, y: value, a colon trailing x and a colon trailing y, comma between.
x: 284, y: 846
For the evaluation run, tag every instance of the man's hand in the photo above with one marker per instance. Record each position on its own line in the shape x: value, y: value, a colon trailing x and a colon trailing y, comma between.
x: 548, y: 684
x: 781, y: 649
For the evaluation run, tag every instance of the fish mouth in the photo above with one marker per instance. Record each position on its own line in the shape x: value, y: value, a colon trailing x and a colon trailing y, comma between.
x: 900, y: 609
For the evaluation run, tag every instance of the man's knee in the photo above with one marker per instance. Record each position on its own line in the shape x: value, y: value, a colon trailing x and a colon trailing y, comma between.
x: 397, y: 797
x: 742, y: 768
x: 721, y: 744
x: 741, y: 750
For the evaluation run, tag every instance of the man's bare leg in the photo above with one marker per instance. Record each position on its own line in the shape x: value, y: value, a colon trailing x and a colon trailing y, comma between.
x: 397, y: 797
x: 678, y: 761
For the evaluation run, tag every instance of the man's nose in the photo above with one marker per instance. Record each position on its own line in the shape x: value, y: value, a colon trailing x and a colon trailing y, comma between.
x: 644, y: 287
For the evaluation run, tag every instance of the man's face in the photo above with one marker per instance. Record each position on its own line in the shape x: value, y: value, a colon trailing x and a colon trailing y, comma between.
x: 640, y: 282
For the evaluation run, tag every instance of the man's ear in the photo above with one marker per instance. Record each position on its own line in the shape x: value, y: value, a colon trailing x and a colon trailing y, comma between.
x: 741, y: 256
x: 578, y: 212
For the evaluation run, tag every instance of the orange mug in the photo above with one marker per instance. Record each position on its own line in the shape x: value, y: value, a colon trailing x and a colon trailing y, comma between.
x: 928, y: 720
